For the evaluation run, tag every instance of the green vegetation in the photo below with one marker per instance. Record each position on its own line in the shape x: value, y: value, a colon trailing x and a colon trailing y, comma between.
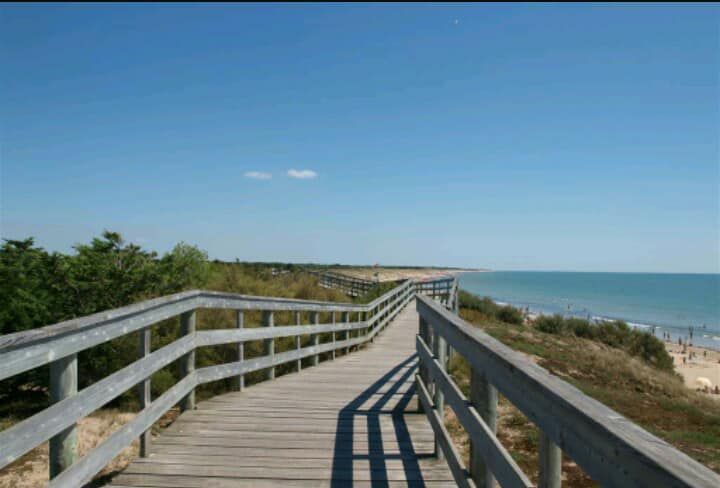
x: 38, y: 288
x: 376, y: 291
x: 490, y: 309
x: 618, y: 367
x: 617, y: 334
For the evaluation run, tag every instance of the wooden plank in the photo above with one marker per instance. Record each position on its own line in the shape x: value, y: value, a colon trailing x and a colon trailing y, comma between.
x: 25, y: 435
x: 339, y: 422
x: 144, y: 390
x: 484, y: 398
x: 483, y: 438
x: 63, y: 385
x: 240, y: 325
x: 611, y: 449
x: 269, y: 344
x: 228, y: 336
x: 160, y: 481
x: 550, y: 463
x: 187, y: 363
x: 460, y: 474
x: 29, y: 349
x: 83, y: 470
x: 280, y: 472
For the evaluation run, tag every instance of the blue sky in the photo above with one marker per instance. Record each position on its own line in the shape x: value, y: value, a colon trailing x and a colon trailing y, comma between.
x: 511, y: 137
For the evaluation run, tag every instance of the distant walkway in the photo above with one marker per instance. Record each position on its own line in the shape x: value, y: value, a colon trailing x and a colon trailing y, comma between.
x: 347, y: 422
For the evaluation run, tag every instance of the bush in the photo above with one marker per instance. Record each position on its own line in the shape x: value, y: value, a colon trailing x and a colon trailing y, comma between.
x: 38, y: 288
x: 551, y: 324
x: 510, y: 315
x: 615, y: 334
x: 487, y: 307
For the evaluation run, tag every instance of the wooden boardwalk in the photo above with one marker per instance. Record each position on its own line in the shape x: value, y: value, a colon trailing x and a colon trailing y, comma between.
x: 348, y: 422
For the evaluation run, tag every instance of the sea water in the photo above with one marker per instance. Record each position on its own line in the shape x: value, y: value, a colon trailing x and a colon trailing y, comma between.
x: 669, y: 303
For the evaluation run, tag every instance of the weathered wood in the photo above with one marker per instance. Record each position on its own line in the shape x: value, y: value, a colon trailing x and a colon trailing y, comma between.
x: 228, y: 336
x: 439, y: 352
x: 483, y: 397
x: 187, y: 364
x: 550, y: 463
x: 484, y: 443
x: 346, y: 320
x: 84, y: 469
x: 610, y: 448
x: 269, y: 344
x: 29, y: 349
x: 454, y: 460
x: 25, y: 435
x: 240, y: 325
x: 298, y: 340
x: 344, y: 422
x: 222, y: 371
x: 333, y: 337
x: 25, y: 350
x: 315, y: 338
x: 144, y: 390
x: 63, y: 384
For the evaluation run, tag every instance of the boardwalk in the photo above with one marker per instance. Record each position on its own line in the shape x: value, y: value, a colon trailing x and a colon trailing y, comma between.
x: 348, y: 422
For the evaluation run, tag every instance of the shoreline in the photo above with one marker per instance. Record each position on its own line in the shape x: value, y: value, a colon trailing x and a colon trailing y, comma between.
x: 703, y: 338
x: 698, y: 366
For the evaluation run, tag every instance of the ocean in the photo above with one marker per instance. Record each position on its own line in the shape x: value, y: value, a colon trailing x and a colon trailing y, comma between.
x: 660, y: 302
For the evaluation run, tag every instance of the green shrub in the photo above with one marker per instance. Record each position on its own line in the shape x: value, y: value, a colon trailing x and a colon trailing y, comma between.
x: 510, y: 315
x: 615, y: 333
x: 551, y: 324
x: 485, y: 305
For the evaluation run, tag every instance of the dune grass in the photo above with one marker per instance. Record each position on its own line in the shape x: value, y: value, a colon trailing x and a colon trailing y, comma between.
x: 645, y: 392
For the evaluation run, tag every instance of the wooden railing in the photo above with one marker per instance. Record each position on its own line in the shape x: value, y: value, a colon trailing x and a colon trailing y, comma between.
x: 608, y: 447
x: 351, y: 285
x: 58, y: 346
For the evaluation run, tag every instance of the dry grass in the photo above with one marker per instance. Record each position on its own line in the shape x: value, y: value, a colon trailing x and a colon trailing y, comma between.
x: 32, y: 469
x: 656, y: 400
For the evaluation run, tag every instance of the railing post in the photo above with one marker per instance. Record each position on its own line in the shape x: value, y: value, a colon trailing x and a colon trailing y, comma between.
x: 333, y: 336
x: 483, y: 396
x: 63, y: 384
x: 346, y: 320
x: 440, y: 353
x: 267, y: 321
x: 298, y: 340
x: 187, y: 362
x: 240, y: 324
x: 423, y: 369
x: 315, y: 320
x: 550, y: 463
x: 362, y: 317
x: 144, y: 391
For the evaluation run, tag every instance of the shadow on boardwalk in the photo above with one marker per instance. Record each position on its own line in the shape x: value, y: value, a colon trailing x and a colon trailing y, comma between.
x: 344, y: 455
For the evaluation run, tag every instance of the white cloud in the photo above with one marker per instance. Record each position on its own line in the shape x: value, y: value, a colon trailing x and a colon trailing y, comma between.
x: 302, y: 174
x: 257, y: 175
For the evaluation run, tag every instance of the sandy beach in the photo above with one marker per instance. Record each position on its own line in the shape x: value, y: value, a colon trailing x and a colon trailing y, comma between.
x: 394, y: 274
x: 704, y: 363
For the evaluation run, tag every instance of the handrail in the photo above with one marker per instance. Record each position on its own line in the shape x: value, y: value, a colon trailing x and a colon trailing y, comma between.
x: 29, y: 349
x: 610, y: 448
x: 351, y: 285
x: 59, y: 344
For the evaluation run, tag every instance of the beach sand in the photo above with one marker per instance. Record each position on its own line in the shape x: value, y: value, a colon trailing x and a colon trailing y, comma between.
x: 394, y: 274
x: 705, y: 363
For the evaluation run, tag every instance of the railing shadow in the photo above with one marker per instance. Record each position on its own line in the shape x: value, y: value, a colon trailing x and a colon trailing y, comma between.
x: 344, y: 455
